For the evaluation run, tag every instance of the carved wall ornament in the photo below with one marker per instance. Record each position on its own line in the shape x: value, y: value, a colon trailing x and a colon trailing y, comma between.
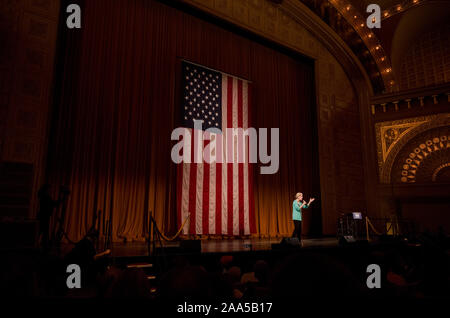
x: 422, y: 152
x: 392, y: 136
x: 439, y: 169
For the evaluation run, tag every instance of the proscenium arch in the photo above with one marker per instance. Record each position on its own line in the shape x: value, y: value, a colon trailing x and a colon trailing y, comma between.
x: 359, y: 80
x: 329, y: 40
x: 351, y: 65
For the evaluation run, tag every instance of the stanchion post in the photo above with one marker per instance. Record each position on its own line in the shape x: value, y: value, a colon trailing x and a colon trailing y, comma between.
x: 367, y: 229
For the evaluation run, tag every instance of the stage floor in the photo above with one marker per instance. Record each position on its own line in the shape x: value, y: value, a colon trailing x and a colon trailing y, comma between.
x: 132, y: 249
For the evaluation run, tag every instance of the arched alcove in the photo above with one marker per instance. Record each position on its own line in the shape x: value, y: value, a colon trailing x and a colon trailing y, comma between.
x: 408, y: 142
x: 424, y: 159
x: 414, y: 27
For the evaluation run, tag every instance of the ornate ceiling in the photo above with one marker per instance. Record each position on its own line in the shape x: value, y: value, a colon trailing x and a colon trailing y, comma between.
x: 384, y: 4
x: 373, y: 47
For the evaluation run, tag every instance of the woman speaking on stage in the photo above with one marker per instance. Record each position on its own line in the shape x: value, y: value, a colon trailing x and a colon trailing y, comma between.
x: 297, y: 207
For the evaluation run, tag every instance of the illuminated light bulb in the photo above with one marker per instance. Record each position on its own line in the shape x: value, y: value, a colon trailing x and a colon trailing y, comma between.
x: 386, y: 14
x: 370, y: 35
x: 383, y: 58
x: 354, y: 16
x: 377, y: 47
x: 388, y: 70
x: 348, y: 8
x: 399, y: 8
x: 362, y: 25
x: 374, y: 20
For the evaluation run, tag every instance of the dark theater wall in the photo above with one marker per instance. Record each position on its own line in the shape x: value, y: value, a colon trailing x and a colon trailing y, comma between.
x: 28, y: 32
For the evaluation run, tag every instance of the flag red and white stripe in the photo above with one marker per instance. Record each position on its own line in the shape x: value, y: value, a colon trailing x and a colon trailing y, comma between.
x: 217, y: 198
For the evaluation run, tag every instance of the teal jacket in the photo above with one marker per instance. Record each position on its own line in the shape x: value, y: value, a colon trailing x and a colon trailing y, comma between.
x: 297, y: 211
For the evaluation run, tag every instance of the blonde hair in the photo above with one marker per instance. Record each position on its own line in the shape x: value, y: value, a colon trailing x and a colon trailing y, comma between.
x: 298, y: 194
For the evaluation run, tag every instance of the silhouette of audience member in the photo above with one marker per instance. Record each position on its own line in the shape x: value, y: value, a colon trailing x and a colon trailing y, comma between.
x: 233, y: 277
x: 226, y: 262
x: 313, y: 276
x: 262, y: 272
x: 130, y: 283
x: 46, y: 206
x: 249, y: 278
x: 190, y: 281
x: 255, y: 284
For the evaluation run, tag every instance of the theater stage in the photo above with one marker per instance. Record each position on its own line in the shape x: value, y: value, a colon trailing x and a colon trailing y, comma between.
x: 132, y: 249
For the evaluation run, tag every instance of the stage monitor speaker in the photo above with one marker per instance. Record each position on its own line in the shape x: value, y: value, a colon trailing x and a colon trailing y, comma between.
x: 349, y: 240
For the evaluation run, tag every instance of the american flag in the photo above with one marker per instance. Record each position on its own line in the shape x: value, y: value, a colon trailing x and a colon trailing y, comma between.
x: 216, y: 197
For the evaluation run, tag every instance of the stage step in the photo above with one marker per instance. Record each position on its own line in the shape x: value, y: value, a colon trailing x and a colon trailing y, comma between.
x: 140, y: 265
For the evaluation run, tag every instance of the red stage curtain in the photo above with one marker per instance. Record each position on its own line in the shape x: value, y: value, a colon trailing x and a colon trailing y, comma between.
x: 117, y: 99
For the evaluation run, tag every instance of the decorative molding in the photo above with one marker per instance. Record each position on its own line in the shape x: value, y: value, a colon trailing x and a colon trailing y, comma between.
x: 439, y: 169
x: 331, y: 41
x: 400, y: 8
x: 358, y: 22
x: 438, y: 94
x: 423, y: 150
x: 392, y: 136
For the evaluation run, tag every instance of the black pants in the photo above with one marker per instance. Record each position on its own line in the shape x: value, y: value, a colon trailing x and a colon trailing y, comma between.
x: 44, y: 227
x: 297, y: 230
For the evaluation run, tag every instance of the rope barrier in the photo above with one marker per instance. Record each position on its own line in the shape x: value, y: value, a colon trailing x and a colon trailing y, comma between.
x: 371, y: 226
x: 173, y: 237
